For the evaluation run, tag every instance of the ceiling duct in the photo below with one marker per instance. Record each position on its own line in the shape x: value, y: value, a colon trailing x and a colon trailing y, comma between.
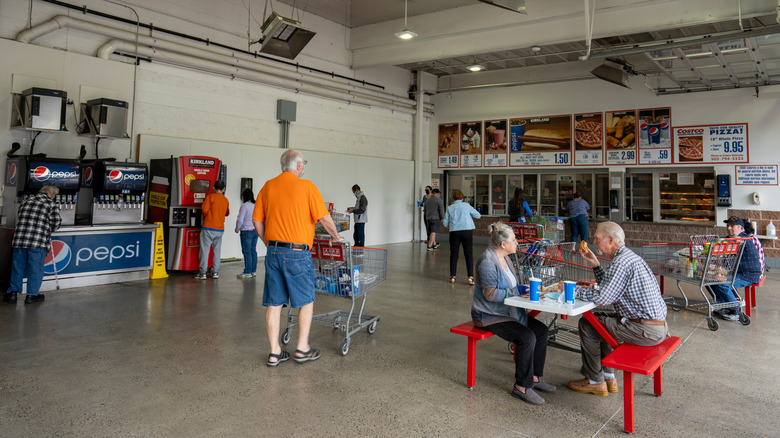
x: 284, y: 36
x: 512, y: 5
x: 613, y: 72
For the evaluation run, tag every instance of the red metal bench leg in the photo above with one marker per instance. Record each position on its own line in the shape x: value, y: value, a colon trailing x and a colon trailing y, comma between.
x: 471, y: 365
x: 658, y: 381
x: 753, y: 295
x: 628, y: 402
x: 747, y: 300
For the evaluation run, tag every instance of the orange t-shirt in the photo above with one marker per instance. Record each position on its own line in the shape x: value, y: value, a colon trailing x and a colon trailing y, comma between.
x: 289, y: 207
x: 215, y: 208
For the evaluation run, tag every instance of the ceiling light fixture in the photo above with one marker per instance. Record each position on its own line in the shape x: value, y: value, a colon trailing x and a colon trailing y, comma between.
x: 536, y: 49
x: 476, y: 67
x: 405, y: 33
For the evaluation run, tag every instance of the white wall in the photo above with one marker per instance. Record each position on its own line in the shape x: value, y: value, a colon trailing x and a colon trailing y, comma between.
x: 729, y: 106
x: 384, y: 181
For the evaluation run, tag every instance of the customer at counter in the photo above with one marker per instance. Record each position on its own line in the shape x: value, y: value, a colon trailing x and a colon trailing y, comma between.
x: 629, y: 285
x: 519, y: 210
x: 749, y: 271
x: 246, y: 230
x: 215, y: 208
x: 497, y: 280
x: 38, y: 217
x: 577, y: 210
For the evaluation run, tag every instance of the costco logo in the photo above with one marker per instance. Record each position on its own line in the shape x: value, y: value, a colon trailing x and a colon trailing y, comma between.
x: 11, y: 174
x: 691, y: 131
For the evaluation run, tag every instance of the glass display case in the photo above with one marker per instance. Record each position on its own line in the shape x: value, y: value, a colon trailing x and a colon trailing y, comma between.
x: 482, y: 193
x: 639, y: 197
x: 499, y: 195
x: 687, y: 196
x: 600, y: 207
x: 548, y: 199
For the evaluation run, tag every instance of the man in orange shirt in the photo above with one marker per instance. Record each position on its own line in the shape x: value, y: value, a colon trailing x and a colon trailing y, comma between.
x: 215, y: 209
x: 286, y: 210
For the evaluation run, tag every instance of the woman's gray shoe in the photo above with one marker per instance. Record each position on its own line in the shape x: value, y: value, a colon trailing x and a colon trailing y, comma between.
x: 529, y: 397
x: 543, y: 386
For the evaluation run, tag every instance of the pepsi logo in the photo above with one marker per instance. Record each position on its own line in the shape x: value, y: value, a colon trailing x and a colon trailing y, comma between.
x: 664, y: 125
x: 11, y: 174
x: 87, y: 176
x: 654, y: 130
x: 643, y: 126
x: 41, y: 173
x: 58, y: 258
x: 115, y: 176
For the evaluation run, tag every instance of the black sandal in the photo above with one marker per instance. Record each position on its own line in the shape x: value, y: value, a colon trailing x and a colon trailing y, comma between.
x: 281, y: 357
x: 312, y: 354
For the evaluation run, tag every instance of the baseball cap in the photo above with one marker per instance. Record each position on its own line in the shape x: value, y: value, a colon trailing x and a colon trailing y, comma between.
x: 735, y: 220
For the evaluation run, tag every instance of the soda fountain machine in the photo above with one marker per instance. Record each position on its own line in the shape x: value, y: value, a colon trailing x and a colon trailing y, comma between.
x: 119, y: 192
x: 178, y: 187
x: 26, y: 175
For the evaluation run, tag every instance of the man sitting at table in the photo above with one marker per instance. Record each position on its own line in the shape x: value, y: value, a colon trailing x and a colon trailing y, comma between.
x: 629, y: 285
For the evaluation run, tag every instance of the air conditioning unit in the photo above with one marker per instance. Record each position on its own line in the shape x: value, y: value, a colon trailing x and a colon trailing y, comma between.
x: 612, y: 72
x: 284, y: 36
x: 512, y: 5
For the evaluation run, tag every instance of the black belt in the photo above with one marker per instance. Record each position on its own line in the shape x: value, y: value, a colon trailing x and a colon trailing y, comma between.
x: 288, y: 245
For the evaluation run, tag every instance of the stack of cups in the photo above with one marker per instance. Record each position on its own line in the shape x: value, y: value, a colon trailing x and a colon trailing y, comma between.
x: 536, y: 286
x: 568, y: 288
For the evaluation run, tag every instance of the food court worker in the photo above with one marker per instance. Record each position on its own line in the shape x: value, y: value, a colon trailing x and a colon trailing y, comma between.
x: 629, y: 285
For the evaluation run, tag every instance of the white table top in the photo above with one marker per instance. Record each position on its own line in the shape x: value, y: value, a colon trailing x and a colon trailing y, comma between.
x: 550, y: 306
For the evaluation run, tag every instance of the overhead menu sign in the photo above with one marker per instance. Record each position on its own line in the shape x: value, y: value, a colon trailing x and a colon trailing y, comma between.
x: 621, y: 134
x: 655, y: 142
x: 711, y: 144
x: 588, y: 139
x: 470, y: 144
x: 448, y: 145
x: 495, y: 141
x: 540, y: 141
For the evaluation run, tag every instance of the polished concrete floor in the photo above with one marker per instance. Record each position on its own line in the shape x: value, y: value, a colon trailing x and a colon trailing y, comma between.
x: 185, y: 358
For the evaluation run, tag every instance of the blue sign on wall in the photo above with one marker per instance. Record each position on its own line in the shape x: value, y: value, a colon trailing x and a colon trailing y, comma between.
x: 80, y: 253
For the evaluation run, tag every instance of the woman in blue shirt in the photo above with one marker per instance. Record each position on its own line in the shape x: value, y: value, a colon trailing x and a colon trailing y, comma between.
x: 460, y: 220
x: 518, y: 207
x: 497, y: 280
x: 577, y: 209
x: 246, y: 230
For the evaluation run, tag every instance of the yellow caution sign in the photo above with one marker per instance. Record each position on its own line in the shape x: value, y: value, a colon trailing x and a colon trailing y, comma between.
x: 159, y: 200
x: 158, y: 266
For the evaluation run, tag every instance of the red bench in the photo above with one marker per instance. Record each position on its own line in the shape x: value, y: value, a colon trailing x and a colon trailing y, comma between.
x: 643, y: 360
x: 473, y: 334
x: 750, y: 295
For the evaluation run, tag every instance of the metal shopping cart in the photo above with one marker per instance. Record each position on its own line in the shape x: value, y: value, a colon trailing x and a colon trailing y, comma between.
x: 341, y: 220
x: 340, y: 270
x: 527, y: 232
x: 703, y: 263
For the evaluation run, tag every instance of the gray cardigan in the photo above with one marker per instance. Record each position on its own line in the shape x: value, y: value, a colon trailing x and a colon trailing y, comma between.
x: 492, y: 287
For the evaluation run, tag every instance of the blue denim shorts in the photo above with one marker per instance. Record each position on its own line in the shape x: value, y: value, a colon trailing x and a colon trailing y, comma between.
x: 289, y: 278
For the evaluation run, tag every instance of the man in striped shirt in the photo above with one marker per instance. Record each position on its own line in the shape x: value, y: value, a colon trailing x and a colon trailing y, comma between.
x: 629, y: 285
x: 38, y: 217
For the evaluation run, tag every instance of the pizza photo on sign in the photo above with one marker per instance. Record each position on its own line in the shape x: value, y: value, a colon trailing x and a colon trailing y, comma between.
x: 588, y: 132
x: 691, y: 148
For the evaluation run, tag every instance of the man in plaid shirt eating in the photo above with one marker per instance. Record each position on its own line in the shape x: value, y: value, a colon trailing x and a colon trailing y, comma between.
x: 38, y: 217
x: 629, y: 285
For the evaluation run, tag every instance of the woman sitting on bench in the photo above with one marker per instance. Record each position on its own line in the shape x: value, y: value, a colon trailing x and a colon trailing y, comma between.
x: 496, y: 280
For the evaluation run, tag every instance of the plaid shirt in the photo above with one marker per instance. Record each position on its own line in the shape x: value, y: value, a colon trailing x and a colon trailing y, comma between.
x: 629, y: 285
x: 38, y: 217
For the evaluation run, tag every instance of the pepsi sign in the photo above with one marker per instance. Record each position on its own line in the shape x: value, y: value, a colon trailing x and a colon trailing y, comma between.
x: 64, y: 175
x: 125, y: 178
x: 11, y: 173
x: 82, y: 253
x: 87, y: 176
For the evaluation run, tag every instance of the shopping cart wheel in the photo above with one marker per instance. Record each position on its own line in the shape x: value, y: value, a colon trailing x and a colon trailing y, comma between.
x: 285, y: 338
x: 511, y: 347
x: 371, y: 328
x: 712, y: 324
x: 344, y: 348
x: 744, y: 319
x: 676, y: 308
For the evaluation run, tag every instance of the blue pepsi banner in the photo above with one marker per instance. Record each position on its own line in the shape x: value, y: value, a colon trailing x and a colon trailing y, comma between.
x: 87, y: 175
x: 64, y: 175
x: 125, y: 178
x: 11, y: 173
x: 82, y: 253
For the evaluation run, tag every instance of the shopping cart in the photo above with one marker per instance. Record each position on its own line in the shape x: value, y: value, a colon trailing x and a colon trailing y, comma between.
x: 703, y: 263
x: 527, y: 232
x: 340, y: 270
x: 341, y: 220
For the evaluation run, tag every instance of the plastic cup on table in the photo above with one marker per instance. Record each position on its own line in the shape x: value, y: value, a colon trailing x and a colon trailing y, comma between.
x: 536, y: 286
x: 568, y: 290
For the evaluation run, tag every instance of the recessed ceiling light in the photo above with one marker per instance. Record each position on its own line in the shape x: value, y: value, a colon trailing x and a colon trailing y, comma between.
x: 536, y: 48
x: 476, y: 67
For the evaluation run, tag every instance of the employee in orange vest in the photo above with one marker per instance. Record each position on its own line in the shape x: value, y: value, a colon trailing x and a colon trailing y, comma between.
x: 215, y: 209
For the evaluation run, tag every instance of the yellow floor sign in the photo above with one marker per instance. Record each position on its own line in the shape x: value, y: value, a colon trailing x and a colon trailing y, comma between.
x: 158, y: 268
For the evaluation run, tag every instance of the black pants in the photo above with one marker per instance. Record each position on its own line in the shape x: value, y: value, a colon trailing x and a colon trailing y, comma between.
x: 530, y: 347
x: 466, y: 238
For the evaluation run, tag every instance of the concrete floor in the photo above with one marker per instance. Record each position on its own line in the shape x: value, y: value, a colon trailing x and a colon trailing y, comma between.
x: 186, y: 358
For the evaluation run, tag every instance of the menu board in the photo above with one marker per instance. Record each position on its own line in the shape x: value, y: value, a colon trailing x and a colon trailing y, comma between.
x: 448, y: 145
x: 495, y: 142
x: 470, y: 144
x: 588, y: 139
x: 540, y: 141
x: 711, y: 144
x: 655, y: 142
x: 621, y: 137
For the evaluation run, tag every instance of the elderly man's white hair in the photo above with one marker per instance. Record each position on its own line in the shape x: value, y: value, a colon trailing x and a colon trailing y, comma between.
x: 290, y: 159
x: 50, y: 190
x: 612, y: 229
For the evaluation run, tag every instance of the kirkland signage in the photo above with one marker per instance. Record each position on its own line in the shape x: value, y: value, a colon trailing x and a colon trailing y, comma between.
x: 80, y: 253
x: 202, y: 162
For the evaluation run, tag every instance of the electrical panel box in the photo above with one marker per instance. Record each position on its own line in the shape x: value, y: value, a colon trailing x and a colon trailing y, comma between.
x: 285, y: 110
